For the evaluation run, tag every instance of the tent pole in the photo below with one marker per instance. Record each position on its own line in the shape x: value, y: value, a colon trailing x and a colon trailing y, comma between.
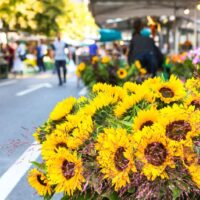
x: 176, y: 39
x: 176, y: 32
x: 195, y: 27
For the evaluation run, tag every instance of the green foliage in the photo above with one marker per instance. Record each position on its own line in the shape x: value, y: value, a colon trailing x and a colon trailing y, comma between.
x: 45, y: 16
x: 185, y: 69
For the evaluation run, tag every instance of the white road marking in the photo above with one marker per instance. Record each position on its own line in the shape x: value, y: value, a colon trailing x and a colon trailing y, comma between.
x: 7, y: 83
x: 13, y: 175
x: 83, y: 92
x: 33, y: 88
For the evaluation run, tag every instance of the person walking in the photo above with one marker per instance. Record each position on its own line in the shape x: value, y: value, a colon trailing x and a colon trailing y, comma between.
x: 20, y: 55
x: 60, y: 58
x: 41, y: 51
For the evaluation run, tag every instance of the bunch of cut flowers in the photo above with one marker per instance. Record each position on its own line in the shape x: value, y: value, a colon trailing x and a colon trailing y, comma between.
x: 136, y: 141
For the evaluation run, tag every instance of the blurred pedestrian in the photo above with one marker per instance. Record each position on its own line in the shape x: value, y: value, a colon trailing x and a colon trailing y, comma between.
x: 93, y: 50
x: 9, y: 54
x: 143, y: 49
x: 60, y: 58
x: 20, y: 56
x: 41, y: 52
x: 72, y: 54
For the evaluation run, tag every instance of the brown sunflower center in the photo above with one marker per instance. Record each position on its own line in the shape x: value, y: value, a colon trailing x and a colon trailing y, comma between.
x: 121, y: 163
x: 178, y: 130
x: 121, y: 72
x: 147, y: 123
x: 155, y: 153
x: 40, y: 180
x: 61, y: 144
x: 196, y: 104
x: 68, y: 169
x: 166, y: 92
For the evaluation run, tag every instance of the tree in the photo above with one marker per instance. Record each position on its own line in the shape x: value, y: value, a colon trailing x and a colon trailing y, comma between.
x: 47, y: 17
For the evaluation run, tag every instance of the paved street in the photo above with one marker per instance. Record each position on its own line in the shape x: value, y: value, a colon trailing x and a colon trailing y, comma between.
x: 25, y: 104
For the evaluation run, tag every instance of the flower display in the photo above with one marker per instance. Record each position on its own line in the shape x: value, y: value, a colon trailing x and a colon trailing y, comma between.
x: 111, y: 71
x: 184, y: 64
x: 135, y: 141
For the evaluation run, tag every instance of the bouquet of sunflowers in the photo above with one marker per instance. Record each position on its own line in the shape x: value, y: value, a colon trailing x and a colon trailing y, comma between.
x: 105, y: 70
x: 137, y: 141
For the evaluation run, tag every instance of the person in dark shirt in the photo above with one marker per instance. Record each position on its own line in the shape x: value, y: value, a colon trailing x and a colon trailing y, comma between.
x: 143, y: 49
x: 40, y: 56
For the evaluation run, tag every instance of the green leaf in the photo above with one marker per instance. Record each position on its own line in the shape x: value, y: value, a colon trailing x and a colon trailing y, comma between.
x: 111, y: 196
x: 176, y: 192
x: 48, y: 197
x: 39, y: 165
x: 66, y: 197
x: 131, y: 190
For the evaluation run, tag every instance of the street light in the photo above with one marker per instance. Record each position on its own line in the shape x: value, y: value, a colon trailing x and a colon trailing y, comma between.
x: 172, y: 18
x: 187, y: 11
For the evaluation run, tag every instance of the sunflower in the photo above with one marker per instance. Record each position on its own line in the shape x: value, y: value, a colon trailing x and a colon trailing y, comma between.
x: 143, y: 71
x: 193, y: 85
x: 78, y: 73
x: 178, y: 125
x: 104, y: 100
x: 62, y: 109
x: 39, y: 182
x: 78, y: 128
x: 95, y: 59
x: 65, y: 171
x: 170, y: 91
x: 42, y: 131
x: 82, y: 100
x: 194, y: 171
x: 58, y: 139
x: 106, y: 89
x: 36, y: 134
x: 115, y: 156
x: 102, y: 87
x: 81, y: 67
x: 152, y: 83
x: 81, y: 132
x: 122, y: 73
x: 128, y: 102
x: 105, y: 60
x: 138, y: 64
x: 145, y: 118
x: 131, y: 88
x: 154, y: 151
x: 193, y: 100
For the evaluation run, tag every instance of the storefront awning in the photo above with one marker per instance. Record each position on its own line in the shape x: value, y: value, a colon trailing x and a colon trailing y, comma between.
x: 122, y: 9
x: 107, y: 35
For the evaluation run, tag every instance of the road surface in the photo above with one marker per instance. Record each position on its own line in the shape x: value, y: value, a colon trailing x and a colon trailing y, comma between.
x: 24, y: 104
